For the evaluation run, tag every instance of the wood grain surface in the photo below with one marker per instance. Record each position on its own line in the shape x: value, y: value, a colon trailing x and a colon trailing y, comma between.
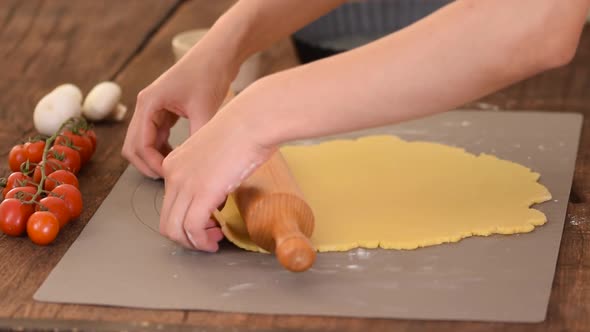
x: 45, y: 43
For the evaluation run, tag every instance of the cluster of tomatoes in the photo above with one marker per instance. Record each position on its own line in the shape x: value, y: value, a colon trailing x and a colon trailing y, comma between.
x: 41, y: 194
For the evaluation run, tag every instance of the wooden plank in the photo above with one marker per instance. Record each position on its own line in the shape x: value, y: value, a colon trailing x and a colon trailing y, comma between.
x: 100, y: 176
x: 43, y: 44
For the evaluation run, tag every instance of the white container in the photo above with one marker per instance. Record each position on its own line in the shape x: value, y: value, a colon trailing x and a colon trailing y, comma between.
x: 249, y: 72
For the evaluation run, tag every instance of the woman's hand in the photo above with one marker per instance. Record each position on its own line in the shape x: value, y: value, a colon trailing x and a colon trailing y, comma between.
x: 193, y: 88
x: 201, y: 172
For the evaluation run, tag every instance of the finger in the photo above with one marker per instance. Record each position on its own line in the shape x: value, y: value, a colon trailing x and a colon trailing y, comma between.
x: 167, y: 201
x: 211, y: 223
x: 177, y: 219
x: 153, y: 160
x: 169, y: 226
x: 131, y: 134
x: 129, y: 151
x: 214, y: 231
x: 141, y: 166
x: 197, y: 217
x: 162, y: 141
x: 214, y: 234
x: 152, y: 122
x: 155, y: 139
x: 155, y: 155
x: 149, y: 154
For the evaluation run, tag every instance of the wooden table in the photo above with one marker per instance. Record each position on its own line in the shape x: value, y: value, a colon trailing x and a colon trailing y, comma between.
x: 45, y: 43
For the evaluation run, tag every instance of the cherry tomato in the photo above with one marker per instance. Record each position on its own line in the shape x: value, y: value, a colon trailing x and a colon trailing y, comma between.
x: 60, y: 177
x: 42, y: 228
x: 13, y: 216
x: 82, y: 144
x: 90, y: 134
x: 35, y: 150
x: 27, y: 193
x: 16, y: 179
x: 72, y: 196
x: 58, y: 207
x: 17, y: 156
x: 67, y: 155
x: 51, y: 165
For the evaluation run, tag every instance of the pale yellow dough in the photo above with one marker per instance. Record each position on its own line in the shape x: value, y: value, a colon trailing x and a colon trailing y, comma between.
x: 381, y: 191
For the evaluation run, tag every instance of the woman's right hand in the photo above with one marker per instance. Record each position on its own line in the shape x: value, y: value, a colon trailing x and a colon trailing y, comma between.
x: 193, y: 88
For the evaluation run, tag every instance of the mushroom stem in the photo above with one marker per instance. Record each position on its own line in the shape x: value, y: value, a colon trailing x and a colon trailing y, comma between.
x: 103, y: 103
x: 118, y: 114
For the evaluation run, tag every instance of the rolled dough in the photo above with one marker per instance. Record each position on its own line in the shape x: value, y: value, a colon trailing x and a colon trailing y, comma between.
x: 382, y: 191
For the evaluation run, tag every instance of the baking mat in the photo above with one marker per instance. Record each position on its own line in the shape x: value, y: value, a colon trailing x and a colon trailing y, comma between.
x: 120, y: 259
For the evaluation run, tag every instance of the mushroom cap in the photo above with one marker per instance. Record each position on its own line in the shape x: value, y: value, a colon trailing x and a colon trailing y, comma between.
x: 71, y: 90
x: 101, y: 100
x: 53, y: 110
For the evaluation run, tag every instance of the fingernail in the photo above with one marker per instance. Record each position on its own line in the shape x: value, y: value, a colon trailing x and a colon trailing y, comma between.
x: 190, y: 239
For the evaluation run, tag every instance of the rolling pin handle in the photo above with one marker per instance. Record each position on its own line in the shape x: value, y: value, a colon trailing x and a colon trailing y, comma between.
x: 292, y: 248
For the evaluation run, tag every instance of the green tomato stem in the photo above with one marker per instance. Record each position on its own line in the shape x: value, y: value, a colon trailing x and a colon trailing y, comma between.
x: 48, y: 144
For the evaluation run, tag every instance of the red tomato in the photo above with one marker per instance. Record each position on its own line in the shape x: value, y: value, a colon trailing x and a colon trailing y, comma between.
x: 16, y: 179
x: 35, y: 150
x: 42, y: 228
x: 60, y: 177
x: 58, y: 207
x: 82, y: 144
x: 17, y: 156
x: 27, y: 193
x: 13, y: 216
x: 51, y: 165
x: 72, y: 196
x: 67, y: 155
x: 90, y: 134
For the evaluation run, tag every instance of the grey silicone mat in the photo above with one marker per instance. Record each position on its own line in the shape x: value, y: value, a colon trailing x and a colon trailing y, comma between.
x: 120, y: 260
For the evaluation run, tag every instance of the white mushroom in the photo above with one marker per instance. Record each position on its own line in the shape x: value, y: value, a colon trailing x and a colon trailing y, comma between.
x: 102, y: 103
x: 57, y: 107
x: 70, y: 89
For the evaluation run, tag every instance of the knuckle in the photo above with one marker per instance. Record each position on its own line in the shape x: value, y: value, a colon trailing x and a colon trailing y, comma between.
x: 170, y: 234
x: 163, y: 229
x: 167, y: 168
x: 176, y: 238
x: 164, y: 233
x: 126, y: 152
x: 176, y: 180
x: 142, y: 96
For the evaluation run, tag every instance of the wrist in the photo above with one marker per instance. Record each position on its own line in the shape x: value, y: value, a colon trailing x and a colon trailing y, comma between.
x: 229, y: 40
x: 251, y: 117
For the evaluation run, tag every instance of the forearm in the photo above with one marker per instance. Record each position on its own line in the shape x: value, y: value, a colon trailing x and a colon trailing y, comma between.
x: 253, y: 25
x: 466, y: 50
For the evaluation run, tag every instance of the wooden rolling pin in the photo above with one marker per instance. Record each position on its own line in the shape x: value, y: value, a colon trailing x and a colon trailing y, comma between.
x: 276, y: 215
